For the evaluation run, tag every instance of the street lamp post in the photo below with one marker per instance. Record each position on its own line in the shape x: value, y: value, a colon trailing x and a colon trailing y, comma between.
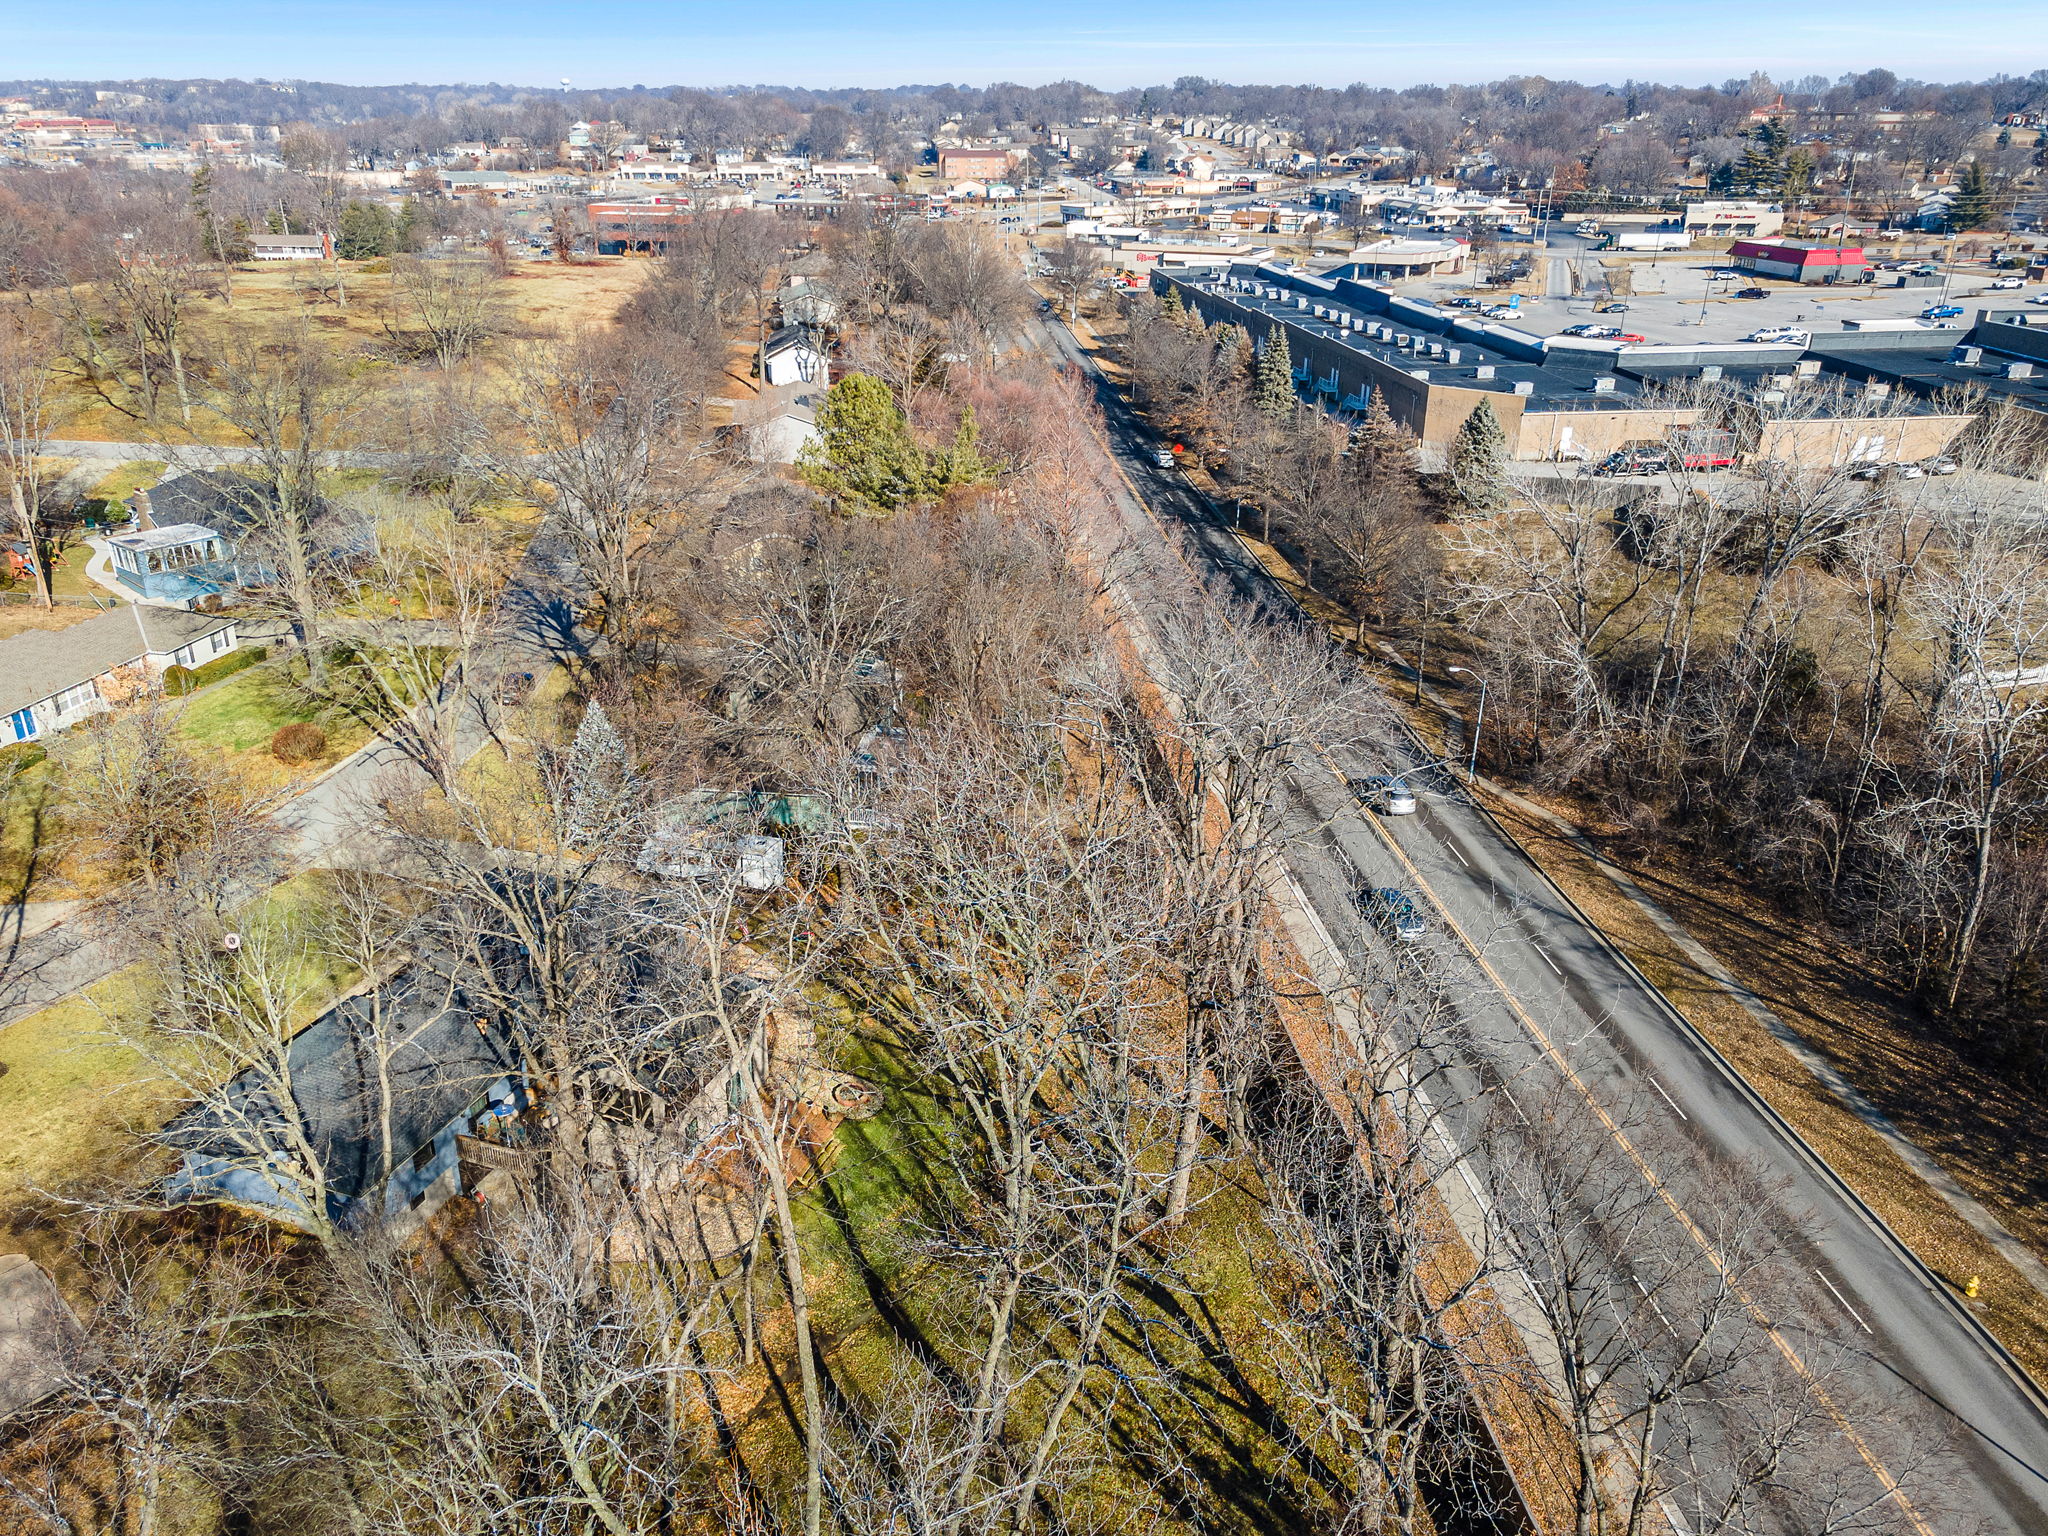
x: 1478, y: 723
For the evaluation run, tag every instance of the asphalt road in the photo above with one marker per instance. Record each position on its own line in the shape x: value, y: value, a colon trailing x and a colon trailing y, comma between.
x: 537, y: 630
x: 1555, y: 997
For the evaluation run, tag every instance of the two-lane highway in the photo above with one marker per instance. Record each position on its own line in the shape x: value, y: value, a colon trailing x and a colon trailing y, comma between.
x: 1563, y: 999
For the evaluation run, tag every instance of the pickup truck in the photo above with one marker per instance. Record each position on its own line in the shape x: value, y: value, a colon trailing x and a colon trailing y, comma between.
x: 1941, y: 311
x: 1661, y: 461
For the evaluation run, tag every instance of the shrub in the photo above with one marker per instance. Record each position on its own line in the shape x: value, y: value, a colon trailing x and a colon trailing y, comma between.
x: 22, y: 756
x: 299, y: 742
x: 179, y: 681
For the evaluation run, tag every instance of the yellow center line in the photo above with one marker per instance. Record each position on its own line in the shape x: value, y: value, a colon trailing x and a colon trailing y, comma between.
x: 1883, y: 1474
x: 1692, y: 1228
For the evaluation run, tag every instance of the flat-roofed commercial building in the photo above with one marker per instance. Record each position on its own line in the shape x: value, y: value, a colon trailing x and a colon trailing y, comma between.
x: 1800, y: 261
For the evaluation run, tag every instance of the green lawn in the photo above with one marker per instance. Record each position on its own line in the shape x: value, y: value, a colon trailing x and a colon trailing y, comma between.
x: 126, y: 479
x: 28, y: 802
x: 70, y: 1092
x: 73, y: 1094
x: 243, y: 713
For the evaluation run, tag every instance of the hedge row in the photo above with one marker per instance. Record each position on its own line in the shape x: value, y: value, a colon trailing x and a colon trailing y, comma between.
x: 179, y: 681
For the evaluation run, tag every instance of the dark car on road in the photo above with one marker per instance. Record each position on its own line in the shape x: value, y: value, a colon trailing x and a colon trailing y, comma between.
x: 1393, y: 911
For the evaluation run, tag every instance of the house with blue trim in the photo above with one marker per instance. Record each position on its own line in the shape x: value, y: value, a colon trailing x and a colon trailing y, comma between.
x: 52, y: 679
x: 181, y: 566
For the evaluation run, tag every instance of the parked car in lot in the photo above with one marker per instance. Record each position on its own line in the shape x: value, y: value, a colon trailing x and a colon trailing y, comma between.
x: 1780, y: 333
x: 1631, y: 338
x: 1387, y: 795
x: 2008, y: 282
x: 1634, y: 461
x: 1941, y: 311
x: 1393, y: 911
x: 2039, y: 298
x: 1460, y: 302
x: 1509, y: 312
x: 1888, y: 472
x: 1940, y: 464
x: 1611, y: 309
x: 1752, y: 293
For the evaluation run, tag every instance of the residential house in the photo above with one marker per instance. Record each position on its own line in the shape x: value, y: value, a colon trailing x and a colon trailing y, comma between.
x: 792, y: 356
x: 381, y: 1084
x: 238, y: 507
x: 776, y: 426
x: 292, y: 247
x: 52, y: 679
x: 183, y: 565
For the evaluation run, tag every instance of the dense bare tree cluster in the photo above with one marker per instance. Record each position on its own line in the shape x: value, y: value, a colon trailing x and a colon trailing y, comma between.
x: 1833, y: 680
x: 1347, y: 501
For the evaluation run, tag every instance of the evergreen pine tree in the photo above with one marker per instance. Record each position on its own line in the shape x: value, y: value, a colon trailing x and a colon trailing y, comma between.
x: 864, y: 449
x: 1757, y: 172
x: 1479, y: 460
x: 1273, y: 383
x: 1378, y: 445
x: 1172, y: 308
x: 1971, y: 206
x: 1238, y: 341
x: 366, y: 230
x: 963, y: 463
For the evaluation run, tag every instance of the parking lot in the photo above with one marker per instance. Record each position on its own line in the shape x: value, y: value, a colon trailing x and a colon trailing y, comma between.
x: 1677, y: 301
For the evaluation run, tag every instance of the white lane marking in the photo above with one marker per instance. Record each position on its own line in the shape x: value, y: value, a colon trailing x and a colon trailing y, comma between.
x: 1455, y: 854
x: 1667, y: 1098
x: 1824, y: 1280
x: 1546, y: 957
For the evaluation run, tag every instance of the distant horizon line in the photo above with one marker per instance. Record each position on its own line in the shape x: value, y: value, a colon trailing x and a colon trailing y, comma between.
x: 559, y: 87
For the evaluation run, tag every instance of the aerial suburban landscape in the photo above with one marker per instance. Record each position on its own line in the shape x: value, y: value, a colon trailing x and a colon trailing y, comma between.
x: 1171, y: 805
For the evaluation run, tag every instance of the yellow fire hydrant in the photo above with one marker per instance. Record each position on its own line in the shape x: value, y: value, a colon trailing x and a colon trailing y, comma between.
x: 1971, y: 1287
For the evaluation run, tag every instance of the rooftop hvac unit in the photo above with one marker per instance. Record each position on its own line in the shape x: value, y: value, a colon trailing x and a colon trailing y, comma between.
x: 1966, y: 357
x: 1809, y: 368
x: 1525, y: 386
x: 2019, y: 370
x: 1711, y: 374
x: 1603, y: 386
x: 1483, y: 371
x: 1453, y: 356
x: 1780, y: 381
x: 1877, y: 391
x: 1419, y: 373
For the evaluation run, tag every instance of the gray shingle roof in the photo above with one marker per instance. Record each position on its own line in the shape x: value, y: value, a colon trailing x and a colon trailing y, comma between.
x: 35, y: 665
x: 445, y: 1058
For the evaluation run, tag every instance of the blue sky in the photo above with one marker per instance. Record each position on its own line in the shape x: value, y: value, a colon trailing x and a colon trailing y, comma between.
x: 1129, y: 42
